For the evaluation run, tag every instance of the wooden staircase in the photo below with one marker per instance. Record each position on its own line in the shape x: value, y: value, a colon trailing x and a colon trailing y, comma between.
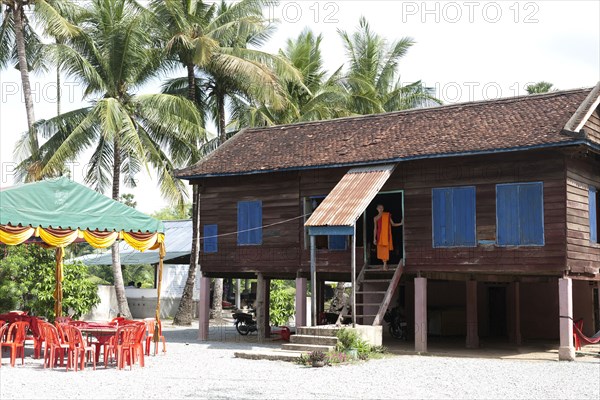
x: 374, y: 291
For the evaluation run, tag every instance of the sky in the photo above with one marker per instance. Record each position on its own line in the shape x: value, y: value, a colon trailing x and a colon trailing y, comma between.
x: 466, y: 50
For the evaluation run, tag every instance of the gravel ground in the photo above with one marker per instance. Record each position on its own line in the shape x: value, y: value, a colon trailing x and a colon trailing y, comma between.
x: 209, y: 370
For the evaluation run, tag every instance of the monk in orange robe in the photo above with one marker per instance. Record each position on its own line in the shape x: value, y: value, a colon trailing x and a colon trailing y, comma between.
x: 382, y: 234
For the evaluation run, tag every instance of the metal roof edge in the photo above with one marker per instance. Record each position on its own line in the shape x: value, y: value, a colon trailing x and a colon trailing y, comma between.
x: 571, y: 142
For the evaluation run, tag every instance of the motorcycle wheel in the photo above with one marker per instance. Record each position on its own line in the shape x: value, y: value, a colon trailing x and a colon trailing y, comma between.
x: 242, y: 328
x: 396, y: 332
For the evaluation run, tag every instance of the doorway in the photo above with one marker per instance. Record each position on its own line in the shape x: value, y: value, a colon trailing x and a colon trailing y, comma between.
x: 393, y: 202
x: 497, y: 311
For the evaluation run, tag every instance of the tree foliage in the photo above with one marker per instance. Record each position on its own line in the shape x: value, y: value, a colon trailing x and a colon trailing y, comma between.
x: 282, y: 302
x: 540, y: 87
x: 27, y: 282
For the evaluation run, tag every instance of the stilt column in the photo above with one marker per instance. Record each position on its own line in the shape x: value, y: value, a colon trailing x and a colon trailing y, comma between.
x: 203, y: 308
x: 300, y: 302
x: 421, y: 315
x: 261, y: 317
x: 472, y: 325
x: 566, y: 351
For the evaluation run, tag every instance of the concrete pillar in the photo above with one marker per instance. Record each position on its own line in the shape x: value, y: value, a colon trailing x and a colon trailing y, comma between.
x: 472, y: 325
x: 267, y: 322
x: 260, y: 306
x: 566, y: 351
x: 203, y: 308
x: 238, y: 294
x: 421, y: 315
x: 300, y: 302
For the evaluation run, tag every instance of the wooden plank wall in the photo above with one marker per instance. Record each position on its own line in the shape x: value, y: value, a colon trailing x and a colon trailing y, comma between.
x: 280, y: 250
x: 283, y: 252
x: 583, y: 256
x: 592, y: 126
x: 484, y: 173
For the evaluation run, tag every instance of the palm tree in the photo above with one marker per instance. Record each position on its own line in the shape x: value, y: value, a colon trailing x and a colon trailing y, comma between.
x: 317, y: 97
x: 113, y: 57
x: 20, y: 43
x: 210, y: 41
x: 372, y: 76
x: 540, y: 87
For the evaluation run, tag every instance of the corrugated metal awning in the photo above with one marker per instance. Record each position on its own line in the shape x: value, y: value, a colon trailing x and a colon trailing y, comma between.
x: 351, y: 196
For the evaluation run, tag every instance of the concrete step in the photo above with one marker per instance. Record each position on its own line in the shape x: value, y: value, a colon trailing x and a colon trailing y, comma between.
x: 376, y: 281
x: 325, y: 330
x: 311, y: 339
x: 273, y: 355
x: 306, y: 347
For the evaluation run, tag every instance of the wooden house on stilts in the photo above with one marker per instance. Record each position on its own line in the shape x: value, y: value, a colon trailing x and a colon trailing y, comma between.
x: 499, y: 203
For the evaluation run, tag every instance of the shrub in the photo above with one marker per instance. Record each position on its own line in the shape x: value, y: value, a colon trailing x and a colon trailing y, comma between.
x: 27, y: 282
x: 316, y: 356
x: 336, y: 357
x: 282, y: 302
x: 347, y: 339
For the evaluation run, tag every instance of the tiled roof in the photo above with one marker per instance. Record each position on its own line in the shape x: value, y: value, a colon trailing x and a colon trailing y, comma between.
x: 477, y: 127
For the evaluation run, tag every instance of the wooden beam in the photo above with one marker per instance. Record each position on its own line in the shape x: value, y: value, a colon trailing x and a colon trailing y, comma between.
x: 387, y: 298
x: 472, y: 324
x: 353, y: 272
x: 313, y: 279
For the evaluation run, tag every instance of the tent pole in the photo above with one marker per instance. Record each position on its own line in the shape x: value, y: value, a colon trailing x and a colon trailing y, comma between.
x: 313, y: 279
x: 353, y: 264
x: 58, y: 295
x: 161, y: 252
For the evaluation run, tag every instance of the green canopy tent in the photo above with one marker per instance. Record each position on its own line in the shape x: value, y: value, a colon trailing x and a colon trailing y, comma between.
x: 58, y: 212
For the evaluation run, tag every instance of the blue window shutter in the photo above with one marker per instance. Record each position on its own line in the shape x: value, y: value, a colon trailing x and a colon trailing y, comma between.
x: 507, y: 215
x: 442, y: 217
x: 531, y: 214
x: 255, y: 218
x: 337, y: 242
x: 210, y: 238
x: 593, y: 217
x: 463, y: 216
x: 249, y: 218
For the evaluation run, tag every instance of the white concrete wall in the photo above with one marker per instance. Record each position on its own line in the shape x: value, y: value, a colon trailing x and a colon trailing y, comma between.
x: 107, y: 308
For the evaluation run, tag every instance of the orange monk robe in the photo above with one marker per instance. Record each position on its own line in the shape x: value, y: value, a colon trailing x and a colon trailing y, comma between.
x: 384, y: 236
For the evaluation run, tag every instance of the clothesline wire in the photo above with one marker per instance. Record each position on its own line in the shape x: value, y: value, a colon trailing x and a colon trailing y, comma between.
x: 256, y: 228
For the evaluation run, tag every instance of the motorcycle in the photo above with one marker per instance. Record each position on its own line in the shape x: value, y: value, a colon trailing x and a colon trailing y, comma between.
x: 244, y: 323
x: 396, y: 323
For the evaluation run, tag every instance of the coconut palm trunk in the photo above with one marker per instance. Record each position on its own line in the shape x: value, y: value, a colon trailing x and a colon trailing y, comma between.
x: 218, y: 284
x: 116, y: 257
x: 18, y: 15
x: 185, y: 310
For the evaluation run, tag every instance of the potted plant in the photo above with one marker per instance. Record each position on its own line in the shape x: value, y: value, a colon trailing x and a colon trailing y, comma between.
x: 317, y: 358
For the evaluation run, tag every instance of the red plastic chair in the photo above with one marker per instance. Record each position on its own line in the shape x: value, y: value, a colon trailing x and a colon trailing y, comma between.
x: 15, y: 341
x: 135, y: 347
x: 63, y: 320
x: 114, y: 348
x: 3, y: 332
x: 55, y: 349
x: 79, y: 348
x: 151, y: 325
